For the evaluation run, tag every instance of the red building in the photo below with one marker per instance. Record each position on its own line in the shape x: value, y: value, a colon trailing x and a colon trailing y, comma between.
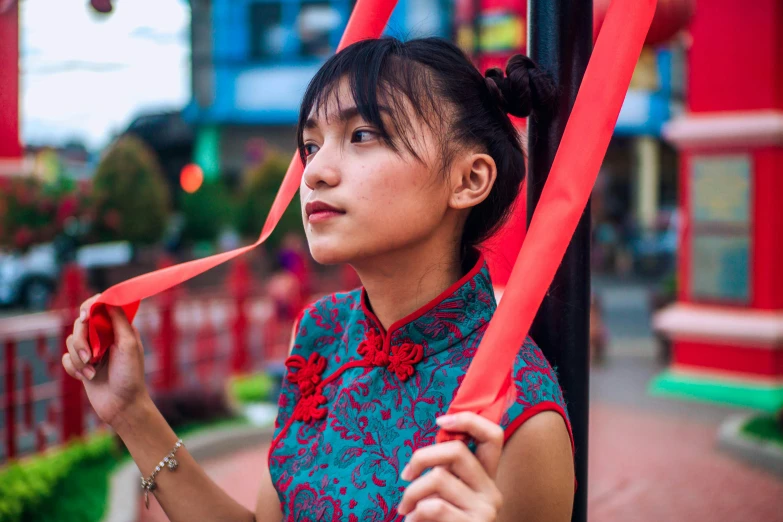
x: 10, y: 146
x: 727, y: 325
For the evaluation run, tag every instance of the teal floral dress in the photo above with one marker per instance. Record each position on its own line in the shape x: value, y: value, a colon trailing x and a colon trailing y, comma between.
x: 357, y: 401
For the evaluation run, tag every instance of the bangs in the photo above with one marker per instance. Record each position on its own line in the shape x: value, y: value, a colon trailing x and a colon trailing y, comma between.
x: 381, y: 79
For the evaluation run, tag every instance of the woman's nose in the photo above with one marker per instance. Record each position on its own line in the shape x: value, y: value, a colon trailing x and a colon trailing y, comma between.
x: 323, y: 168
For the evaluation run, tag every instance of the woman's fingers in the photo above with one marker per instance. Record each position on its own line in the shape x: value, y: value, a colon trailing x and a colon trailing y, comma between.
x: 454, y: 456
x: 437, y: 510
x: 437, y: 483
x: 81, y: 345
x: 84, y: 309
x: 80, y: 341
x: 461, y: 485
x: 69, y: 368
x: 124, y: 334
x: 487, y: 434
x: 79, y: 358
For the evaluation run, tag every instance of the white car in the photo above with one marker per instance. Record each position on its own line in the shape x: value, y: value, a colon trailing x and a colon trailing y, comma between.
x: 29, y: 279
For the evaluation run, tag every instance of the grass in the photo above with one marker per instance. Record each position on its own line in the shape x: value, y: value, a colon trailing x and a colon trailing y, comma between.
x: 764, y: 427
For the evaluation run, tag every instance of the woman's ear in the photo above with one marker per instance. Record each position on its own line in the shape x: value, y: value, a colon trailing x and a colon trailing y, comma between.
x: 472, y: 178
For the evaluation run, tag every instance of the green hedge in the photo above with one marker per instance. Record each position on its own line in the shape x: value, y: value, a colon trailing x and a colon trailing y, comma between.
x: 71, y: 483
x: 27, y: 487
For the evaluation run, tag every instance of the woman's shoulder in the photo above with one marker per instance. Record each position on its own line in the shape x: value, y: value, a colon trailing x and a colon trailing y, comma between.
x: 537, y: 388
x: 531, y: 358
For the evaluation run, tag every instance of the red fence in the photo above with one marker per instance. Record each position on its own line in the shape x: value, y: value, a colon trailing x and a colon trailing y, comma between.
x: 188, y: 341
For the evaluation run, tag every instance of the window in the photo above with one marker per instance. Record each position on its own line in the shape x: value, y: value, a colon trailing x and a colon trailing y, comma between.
x: 296, y: 29
x: 267, y: 32
x: 316, y: 24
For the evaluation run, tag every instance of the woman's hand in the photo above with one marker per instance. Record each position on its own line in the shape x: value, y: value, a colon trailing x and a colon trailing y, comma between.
x: 117, y: 383
x: 461, y: 486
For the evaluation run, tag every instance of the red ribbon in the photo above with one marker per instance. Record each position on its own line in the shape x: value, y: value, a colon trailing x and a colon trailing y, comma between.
x: 488, y: 387
x: 368, y: 20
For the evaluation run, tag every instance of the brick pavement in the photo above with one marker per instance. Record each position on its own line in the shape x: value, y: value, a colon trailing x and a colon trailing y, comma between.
x: 644, y: 467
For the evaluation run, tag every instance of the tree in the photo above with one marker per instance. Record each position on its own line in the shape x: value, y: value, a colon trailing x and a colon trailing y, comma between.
x: 259, y: 191
x: 206, y: 211
x: 131, y: 193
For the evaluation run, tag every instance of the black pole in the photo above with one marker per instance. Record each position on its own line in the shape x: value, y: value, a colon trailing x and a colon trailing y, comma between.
x: 560, y: 41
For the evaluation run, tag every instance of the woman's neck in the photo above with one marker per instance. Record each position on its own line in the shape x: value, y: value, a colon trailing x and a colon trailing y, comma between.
x: 401, y: 282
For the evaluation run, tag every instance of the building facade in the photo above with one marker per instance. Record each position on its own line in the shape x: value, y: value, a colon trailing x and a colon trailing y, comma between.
x: 727, y: 324
x: 253, y: 59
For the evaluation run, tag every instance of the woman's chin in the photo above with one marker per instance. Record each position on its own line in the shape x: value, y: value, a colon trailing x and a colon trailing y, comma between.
x: 328, y: 252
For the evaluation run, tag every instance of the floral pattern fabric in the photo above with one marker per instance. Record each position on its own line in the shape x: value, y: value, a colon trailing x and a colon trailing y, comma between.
x: 357, y: 401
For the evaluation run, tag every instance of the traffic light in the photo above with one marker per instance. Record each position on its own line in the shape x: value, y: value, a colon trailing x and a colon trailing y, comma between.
x: 191, y: 177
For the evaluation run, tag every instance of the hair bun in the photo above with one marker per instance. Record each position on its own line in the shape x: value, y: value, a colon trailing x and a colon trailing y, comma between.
x: 523, y: 89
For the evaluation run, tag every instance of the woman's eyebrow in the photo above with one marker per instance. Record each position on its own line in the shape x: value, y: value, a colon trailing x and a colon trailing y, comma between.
x: 344, y: 115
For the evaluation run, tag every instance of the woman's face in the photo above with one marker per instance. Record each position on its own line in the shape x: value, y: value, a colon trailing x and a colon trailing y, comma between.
x: 386, y: 200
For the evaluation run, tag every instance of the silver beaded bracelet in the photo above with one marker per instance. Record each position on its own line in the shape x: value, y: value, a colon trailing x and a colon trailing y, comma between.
x: 168, y: 461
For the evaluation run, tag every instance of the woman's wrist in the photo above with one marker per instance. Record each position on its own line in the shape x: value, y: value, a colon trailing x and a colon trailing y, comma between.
x: 139, y: 413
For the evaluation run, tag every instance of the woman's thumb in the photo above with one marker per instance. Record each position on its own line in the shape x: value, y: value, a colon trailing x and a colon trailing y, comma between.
x: 123, y: 331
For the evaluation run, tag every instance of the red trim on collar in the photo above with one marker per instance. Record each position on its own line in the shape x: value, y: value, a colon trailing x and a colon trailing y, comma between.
x: 429, y: 306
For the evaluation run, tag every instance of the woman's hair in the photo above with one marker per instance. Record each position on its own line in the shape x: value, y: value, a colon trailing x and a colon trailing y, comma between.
x: 449, y: 95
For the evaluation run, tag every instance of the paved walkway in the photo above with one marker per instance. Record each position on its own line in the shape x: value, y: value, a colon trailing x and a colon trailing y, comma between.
x: 644, y: 467
x: 650, y: 460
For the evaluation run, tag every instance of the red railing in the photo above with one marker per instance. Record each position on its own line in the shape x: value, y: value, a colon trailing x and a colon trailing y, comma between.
x: 188, y: 341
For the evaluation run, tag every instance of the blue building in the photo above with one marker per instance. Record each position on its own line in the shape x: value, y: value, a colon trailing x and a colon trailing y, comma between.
x: 252, y: 60
x: 635, y: 199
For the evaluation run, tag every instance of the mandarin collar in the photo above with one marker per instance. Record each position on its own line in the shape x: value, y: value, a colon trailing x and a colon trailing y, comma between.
x: 458, y: 311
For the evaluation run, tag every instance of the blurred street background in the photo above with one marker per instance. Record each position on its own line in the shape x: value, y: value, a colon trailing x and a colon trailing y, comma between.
x: 136, y: 134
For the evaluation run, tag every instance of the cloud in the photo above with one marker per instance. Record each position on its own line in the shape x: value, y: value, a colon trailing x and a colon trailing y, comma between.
x: 88, y: 75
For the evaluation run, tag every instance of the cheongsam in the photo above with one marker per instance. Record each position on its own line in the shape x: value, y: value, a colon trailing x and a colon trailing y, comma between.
x: 357, y: 401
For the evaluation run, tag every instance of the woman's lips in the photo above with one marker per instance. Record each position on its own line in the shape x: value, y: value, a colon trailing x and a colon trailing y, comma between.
x: 323, y: 215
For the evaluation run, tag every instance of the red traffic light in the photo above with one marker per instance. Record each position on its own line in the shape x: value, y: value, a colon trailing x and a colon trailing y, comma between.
x: 191, y: 177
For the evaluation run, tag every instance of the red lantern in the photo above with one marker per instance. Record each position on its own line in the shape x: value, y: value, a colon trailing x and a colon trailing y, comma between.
x: 671, y: 16
x: 101, y: 6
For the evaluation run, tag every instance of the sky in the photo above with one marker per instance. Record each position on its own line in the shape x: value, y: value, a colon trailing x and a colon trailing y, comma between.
x: 85, y: 76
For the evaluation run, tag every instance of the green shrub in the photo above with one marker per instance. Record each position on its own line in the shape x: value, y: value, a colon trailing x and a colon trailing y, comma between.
x: 258, y: 193
x: 71, y: 483
x: 131, y: 193
x: 764, y: 427
x: 206, y: 211
x: 251, y: 388
x: 27, y: 487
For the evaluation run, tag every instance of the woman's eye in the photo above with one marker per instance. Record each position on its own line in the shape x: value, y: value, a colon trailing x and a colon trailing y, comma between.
x: 310, y: 149
x: 362, y: 136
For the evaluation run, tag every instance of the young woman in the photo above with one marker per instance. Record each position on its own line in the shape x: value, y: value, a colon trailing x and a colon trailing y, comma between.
x: 411, y: 162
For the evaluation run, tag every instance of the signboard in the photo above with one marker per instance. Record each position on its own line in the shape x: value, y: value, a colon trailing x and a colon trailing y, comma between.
x: 721, y: 190
x: 720, y: 213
